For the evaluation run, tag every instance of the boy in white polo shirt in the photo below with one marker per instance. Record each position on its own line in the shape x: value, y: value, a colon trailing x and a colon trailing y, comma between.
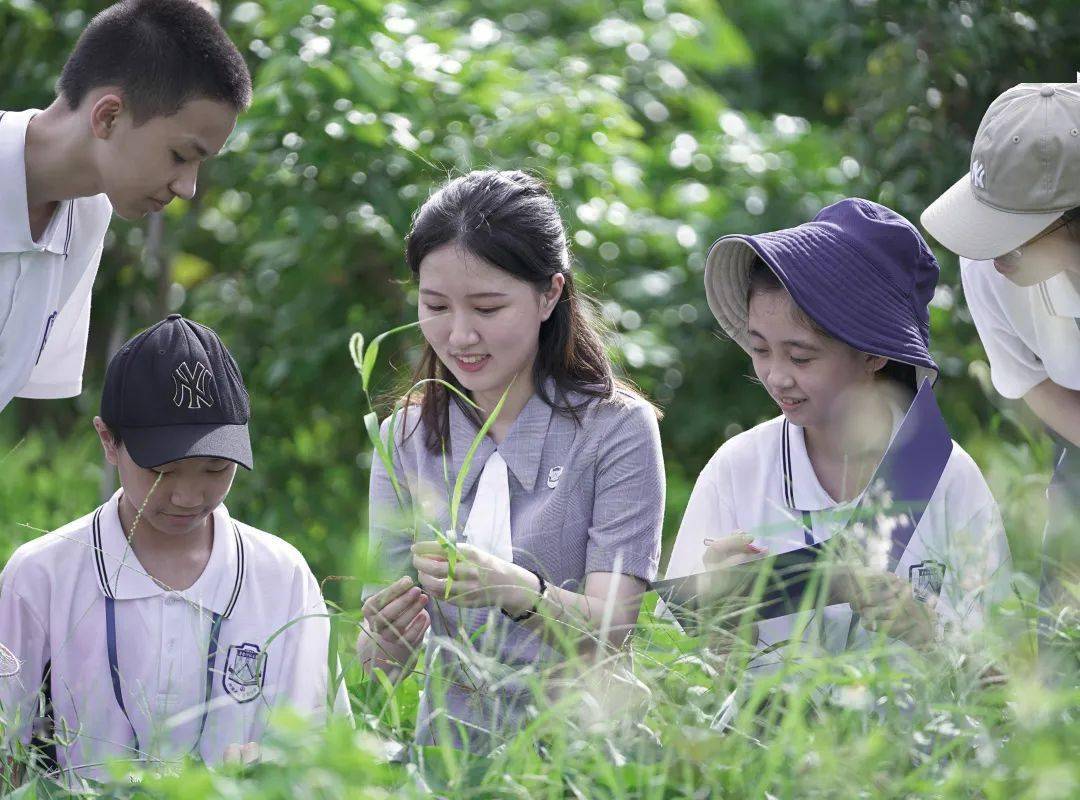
x: 152, y: 88
x: 152, y: 623
x: 1015, y: 221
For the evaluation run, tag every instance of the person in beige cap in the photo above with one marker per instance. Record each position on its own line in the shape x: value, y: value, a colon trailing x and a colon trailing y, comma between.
x: 1014, y: 220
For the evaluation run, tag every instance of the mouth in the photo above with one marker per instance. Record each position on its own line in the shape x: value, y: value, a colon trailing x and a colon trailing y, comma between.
x: 470, y: 362
x: 789, y: 403
x: 157, y: 205
x: 178, y: 517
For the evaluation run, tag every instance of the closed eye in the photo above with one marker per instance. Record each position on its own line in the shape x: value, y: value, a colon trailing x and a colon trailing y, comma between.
x: 800, y: 361
x: 177, y: 158
x: 436, y: 309
x: 489, y: 311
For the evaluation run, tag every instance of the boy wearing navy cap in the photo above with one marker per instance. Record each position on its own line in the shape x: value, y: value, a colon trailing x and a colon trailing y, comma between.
x: 148, y: 622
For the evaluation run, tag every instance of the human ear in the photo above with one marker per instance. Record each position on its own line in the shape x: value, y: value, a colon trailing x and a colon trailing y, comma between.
x: 104, y: 113
x: 550, y: 297
x: 875, y: 363
x: 108, y: 442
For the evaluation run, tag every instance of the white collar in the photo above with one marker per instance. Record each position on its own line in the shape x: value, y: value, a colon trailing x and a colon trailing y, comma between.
x: 14, y: 214
x: 802, y: 489
x: 1061, y: 294
x: 122, y: 577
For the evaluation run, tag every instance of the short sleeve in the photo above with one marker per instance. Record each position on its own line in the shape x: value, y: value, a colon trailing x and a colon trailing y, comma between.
x: 390, y: 517
x: 59, y: 368
x: 304, y: 677
x: 1014, y: 368
x: 22, y: 631
x: 628, y: 501
x: 707, y: 515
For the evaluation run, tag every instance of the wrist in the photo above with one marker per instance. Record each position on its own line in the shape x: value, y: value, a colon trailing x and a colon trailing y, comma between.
x: 523, y: 598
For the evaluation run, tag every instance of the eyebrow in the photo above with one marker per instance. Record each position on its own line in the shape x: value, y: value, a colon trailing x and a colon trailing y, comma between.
x: 202, y: 151
x: 474, y: 295
x: 790, y: 342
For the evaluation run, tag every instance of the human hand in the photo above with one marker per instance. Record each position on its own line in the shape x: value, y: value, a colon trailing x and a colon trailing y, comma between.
x: 721, y: 558
x: 480, y: 579
x: 245, y: 754
x: 887, y: 605
x: 395, y: 621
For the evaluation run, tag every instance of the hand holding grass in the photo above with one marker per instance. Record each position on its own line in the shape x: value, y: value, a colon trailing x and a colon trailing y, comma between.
x: 722, y: 556
x: 395, y: 621
x: 886, y: 604
x: 479, y: 578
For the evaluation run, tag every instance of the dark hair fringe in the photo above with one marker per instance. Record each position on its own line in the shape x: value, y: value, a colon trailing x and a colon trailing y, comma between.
x: 763, y: 279
x: 161, y: 53
x: 509, y: 219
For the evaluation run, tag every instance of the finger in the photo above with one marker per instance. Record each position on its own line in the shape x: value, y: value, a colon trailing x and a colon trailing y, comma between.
x: 728, y: 546
x: 231, y: 754
x: 249, y: 753
x: 429, y: 549
x: 387, y: 595
x: 414, y: 634
x: 393, y: 630
x: 435, y: 587
x: 380, y: 619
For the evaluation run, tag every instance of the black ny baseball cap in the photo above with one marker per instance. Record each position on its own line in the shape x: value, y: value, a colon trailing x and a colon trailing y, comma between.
x: 174, y: 391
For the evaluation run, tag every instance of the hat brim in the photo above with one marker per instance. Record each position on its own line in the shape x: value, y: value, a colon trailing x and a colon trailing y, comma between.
x: 972, y: 229
x: 843, y: 287
x: 151, y: 447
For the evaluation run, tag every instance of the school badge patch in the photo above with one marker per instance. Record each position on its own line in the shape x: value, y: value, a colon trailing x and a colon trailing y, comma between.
x: 245, y: 666
x: 926, y: 579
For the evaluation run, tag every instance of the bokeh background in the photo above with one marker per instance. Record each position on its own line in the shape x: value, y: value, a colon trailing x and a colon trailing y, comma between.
x: 660, y: 125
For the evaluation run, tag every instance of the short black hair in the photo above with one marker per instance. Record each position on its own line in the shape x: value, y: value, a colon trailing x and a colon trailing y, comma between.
x: 161, y: 53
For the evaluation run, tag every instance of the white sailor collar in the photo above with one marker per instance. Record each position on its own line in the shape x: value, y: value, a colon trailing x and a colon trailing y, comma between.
x: 802, y: 491
x: 121, y: 576
x: 1061, y: 294
x: 14, y: 215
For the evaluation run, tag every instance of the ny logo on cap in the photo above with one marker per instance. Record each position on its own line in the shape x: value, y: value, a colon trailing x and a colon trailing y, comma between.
x: 978, y: 175
x: 192, y: 384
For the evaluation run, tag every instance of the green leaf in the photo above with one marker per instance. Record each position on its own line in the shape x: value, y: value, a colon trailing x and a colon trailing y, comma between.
x: 369, y: 362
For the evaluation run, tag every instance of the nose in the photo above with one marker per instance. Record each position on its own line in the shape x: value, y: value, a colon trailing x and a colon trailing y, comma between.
x: 462, y: 332
x: 183, y: 185
x: 779, y: 378
x: 188, y: 498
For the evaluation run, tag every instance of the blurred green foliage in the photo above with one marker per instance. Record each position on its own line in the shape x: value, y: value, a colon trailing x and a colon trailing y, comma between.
x: 661, y: 125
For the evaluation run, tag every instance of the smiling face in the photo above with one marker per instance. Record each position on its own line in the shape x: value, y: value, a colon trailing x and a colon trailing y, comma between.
x: 187, y: 491
x: 811, y: 376
x: 143, y: 167
x: 482, y: 322
x: 1043, y: 257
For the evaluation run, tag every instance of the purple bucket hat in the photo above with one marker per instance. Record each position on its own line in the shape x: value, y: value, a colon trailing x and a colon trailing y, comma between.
x: 858, y: 269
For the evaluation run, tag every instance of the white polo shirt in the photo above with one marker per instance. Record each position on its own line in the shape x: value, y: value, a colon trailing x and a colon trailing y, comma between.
x: 958, y: 551
x: 54, y: 598
x: 45, y: 285
x: 1029, y: 333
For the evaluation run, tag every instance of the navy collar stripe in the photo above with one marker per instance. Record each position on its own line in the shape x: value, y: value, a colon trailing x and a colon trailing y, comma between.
x: 99, y: 555
x: 70, y: 225
x: 238, y: 584
x: 785, y: 457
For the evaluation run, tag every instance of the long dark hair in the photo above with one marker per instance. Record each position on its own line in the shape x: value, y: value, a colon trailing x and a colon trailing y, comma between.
x: 510, y: 220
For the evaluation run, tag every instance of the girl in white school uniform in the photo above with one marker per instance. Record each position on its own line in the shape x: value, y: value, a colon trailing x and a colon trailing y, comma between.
x: 834, y: 316
x: 562, y: 506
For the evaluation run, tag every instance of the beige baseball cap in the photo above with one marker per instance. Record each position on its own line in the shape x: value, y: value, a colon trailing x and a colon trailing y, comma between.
x: 1025, y: 173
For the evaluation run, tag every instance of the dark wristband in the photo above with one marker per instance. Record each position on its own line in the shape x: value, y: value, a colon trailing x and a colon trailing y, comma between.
x: 524, y: 615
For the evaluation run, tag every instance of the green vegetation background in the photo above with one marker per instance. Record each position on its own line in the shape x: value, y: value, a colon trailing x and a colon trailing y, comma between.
x: 660, y: 124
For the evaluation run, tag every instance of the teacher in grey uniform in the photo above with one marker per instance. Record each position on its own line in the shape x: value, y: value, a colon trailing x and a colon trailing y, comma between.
x: 563, y: 503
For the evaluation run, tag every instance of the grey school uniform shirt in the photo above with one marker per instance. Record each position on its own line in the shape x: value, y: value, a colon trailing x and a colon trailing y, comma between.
x: 585, y: 496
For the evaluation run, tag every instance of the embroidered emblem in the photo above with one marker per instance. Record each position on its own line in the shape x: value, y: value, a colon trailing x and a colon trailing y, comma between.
x: 978, y: 175
x: 245, y: 666
x: 553, y: 477
x: 926, y: 579
x: 192, y: 384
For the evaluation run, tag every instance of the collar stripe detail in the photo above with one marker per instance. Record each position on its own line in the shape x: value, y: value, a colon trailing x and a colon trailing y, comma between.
x: 785, y: 459
x: 70, y: 226
x: 238, y: 584
x: 99, y: 556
